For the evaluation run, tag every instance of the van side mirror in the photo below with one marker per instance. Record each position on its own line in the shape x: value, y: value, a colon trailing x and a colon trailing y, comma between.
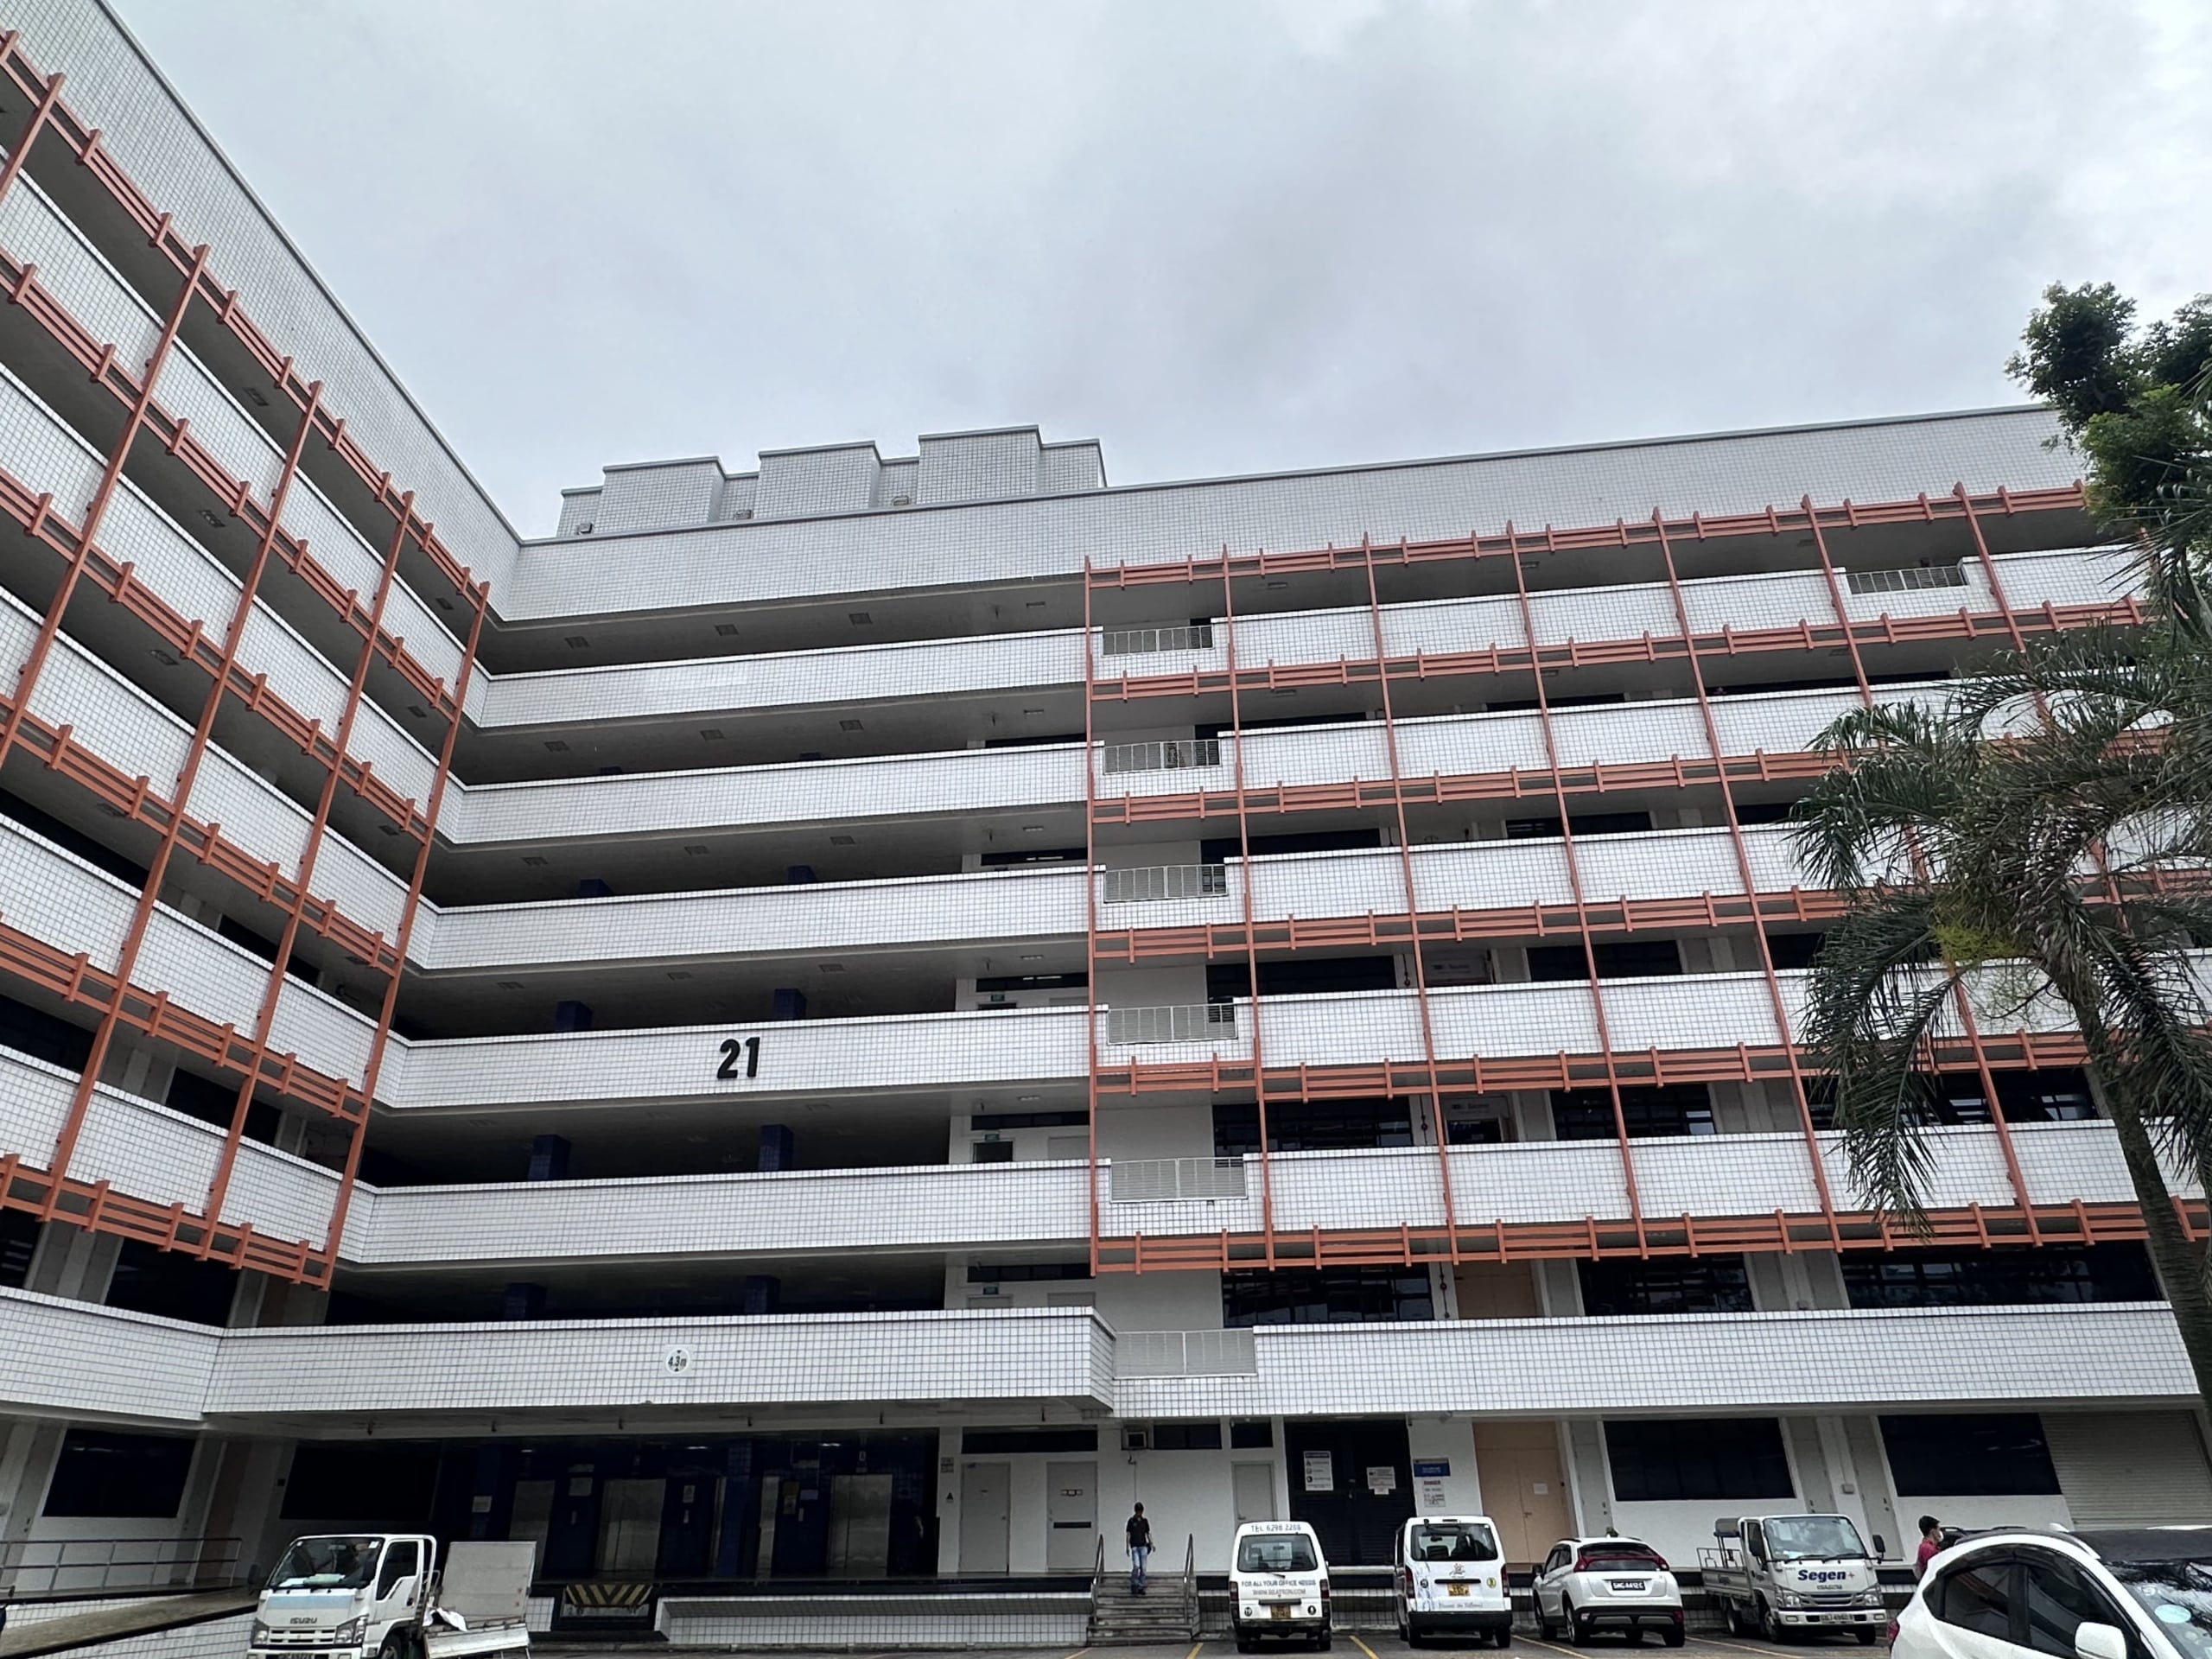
x: 1881, y: 1548
x: 2095, y: 1641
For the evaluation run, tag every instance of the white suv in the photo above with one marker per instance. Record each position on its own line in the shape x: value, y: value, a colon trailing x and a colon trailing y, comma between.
x: 2137, y: 1593
x: 1586, y: 1583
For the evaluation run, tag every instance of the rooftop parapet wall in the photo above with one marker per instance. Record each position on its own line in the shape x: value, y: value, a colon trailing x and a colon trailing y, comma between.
x: 825, y: 479
x: 1046, y: 532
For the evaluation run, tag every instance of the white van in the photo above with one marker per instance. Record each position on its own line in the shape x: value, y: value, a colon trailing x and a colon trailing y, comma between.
x: 1278, y: 1584
x: 1450, y: 1575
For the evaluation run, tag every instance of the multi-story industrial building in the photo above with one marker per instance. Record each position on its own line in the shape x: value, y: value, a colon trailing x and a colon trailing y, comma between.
x: 850, y: 1019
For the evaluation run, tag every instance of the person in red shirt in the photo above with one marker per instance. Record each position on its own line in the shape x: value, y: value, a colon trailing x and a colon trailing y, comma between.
x: 1931, y: 1543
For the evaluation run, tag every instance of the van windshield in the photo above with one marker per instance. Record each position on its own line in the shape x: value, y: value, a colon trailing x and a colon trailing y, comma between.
x: 1281, y: 1552
x: 1453, y: 1540
x: 326, y: 1564
x: 1811, y: 1537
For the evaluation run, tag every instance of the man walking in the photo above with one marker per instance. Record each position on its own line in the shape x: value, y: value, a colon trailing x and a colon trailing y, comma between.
x: 1931, y: 1544
x: 1140, y: 1531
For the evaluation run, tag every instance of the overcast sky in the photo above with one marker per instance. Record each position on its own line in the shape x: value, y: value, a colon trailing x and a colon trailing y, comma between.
x: 1219, y: 235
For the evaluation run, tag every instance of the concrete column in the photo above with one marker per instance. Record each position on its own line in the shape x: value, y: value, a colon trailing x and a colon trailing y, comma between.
x: 245, y: 1500
x: 1588, y: 1485
x: 778, y: 1148
x: 549, y: 1159
x: 73, y: 1263
x: 523, y: 1301
x: 28, y: 1452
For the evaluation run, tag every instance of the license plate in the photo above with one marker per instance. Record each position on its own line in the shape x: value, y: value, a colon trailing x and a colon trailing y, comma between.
x: 1280, y: 1610
x: 1624, y: 1586
x: 1457, y: 1589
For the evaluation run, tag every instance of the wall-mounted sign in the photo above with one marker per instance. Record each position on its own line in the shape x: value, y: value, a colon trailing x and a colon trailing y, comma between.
x: 678, y: 1360
x: 1431, y: 1468
x: 1382, y: 1480
x: 741, y: 1059
x: 1320, y: 1472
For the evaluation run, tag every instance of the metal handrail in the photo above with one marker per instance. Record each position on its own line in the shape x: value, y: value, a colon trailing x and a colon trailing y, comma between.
x: 59, y: 1568
x: 1191, y: 1580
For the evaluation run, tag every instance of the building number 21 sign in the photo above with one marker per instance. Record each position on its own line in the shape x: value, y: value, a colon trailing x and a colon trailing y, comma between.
x: 741, y: 1059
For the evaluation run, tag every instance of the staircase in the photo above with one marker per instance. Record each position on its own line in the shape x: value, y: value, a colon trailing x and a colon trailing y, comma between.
x: 1167, y: 1611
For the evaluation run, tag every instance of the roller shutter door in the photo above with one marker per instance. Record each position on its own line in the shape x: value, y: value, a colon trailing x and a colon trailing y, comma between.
x: 2118, y: 1468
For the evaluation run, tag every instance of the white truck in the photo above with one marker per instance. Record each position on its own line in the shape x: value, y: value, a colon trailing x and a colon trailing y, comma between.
x: 384, y: 1596
x: 1780, y: 1575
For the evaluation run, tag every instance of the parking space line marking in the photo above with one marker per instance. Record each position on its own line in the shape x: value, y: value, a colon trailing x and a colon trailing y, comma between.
x: 1749, y: 1647
x: 1079, y: 1652
x: 1193, y: 1652
x: 1362, y: 1647
x: 1555, y: 1648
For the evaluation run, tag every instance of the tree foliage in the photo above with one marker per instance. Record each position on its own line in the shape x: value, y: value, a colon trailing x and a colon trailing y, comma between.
x: 2032, y: 849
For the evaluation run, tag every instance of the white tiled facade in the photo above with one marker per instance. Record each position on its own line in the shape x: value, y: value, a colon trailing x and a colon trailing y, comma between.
x: 765, y: 1078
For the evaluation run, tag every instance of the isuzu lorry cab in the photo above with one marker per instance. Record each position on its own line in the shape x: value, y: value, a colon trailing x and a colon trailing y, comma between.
x: 385, y: 1596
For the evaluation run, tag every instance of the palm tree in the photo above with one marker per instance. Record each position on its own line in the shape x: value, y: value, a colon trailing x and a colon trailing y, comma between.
x: 2052, y: 866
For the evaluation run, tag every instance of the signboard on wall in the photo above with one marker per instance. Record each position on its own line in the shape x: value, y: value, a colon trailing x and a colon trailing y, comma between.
x: 1382, y: 1480
x: 1320, y: 1472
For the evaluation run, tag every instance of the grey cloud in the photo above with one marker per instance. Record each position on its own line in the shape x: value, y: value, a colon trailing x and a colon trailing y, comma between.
x: 1219, y: 237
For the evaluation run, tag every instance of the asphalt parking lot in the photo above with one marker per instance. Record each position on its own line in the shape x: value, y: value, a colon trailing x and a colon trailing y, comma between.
x: 1364, y: 1645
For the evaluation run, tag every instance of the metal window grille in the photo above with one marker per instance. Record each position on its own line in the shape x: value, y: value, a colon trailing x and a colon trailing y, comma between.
x: 1136, y: 642
x: 1189, y: 1022
x: 1165, y: 881
x: 1170, y: 756
x: 1160, y: 1181
x: 1186, y: 1353
x: 1905, y: 580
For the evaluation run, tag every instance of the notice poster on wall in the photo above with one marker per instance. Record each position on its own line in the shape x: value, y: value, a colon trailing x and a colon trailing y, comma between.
x: 1382, y: 1480
x: 1431, y: 1497
x: 1320, y: 1472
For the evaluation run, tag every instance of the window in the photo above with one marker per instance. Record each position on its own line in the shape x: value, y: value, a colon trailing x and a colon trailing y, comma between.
x: 1276, y: 1552
x: 1615, y: 959
x: 399, y: 1565
x: 43, y: 1037
x: 1712, y: 1284
x: 1312, y: 1126
x: 18, y: 1238
x: 1251, y: 1434
x: 1454, y: 1540
x: 1665, y: 1459
x: 387, y: 1486
x: 1668, y: 1108
x: 2056, y: 1596
x: 1794, y: 950
x: 1022, y: 1273
x: 2050, y: 1273
x: 1993, y: 1456
x: 1186, y: 1437
x: 1304, y: 976
x: 118, y: 1477
x: 1583, y: 823
x: 996, y: 1121
x: 991, y: 1152
x: 1976, y: 1596
x: 2179, y: 1595
x: 152, y: 1280
x: 1325, y: 1296
x: 1007, y: 1441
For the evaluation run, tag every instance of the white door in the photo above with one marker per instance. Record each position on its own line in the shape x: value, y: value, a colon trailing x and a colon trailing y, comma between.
x: 1254, y: 1485
x: 985, y: 1504
x: 1071, y: 1515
